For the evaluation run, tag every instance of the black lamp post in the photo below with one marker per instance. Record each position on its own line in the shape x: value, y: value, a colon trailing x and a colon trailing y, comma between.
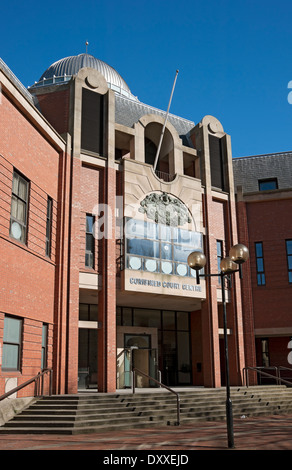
x: 238, y: 254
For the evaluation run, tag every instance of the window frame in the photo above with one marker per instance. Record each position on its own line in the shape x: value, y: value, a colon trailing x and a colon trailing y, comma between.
x: 17, y: 344
x: 163, y: 239
x: 268, y: 180
x: 16, y: 197
x: 49, y: 220
x: 261, y: 276
x: 289, y: 258
x: 44, y: 356
x: 89, y: 253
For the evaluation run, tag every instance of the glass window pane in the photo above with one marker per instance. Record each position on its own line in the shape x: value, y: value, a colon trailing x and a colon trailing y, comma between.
x: 89, y: 242
x: 219, y: 248
x: 22, y: 188
x: 10, y: 359
x: 49, y: 208
x: 135, y: 228
x: 184, y: 236
x: 93, y: 312
x: 89, y: 223
x: 21, y: 211
x: 48, y: 232
x: 183, y: 351
x: 290, y: 262
x: 168, y: 319
x: 89, y: 260
x: 166, y: 251
x: 151, y: 230
x: 182, y: 319
x: 289, y: 247
x: 44, y: 335
x: 14, y: 207
x: 259, y: 249
x: 84, y: 312
x: 127, y: 317
x: 146, y: 318
x: 12, y: 330
x: 165, y: 233
x: 290, y: 276
x: 181, y: 253
x: 143, y: 248
x: 15, y: 183
x: 175, y: 235
x: 265, y: 185
x: 260, y: 265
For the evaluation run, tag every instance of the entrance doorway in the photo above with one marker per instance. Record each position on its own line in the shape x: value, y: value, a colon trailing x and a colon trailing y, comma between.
x: 139, y: 354
x: 173, y: 340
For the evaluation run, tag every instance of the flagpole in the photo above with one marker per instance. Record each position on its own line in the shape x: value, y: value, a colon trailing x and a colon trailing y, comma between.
x: 163, y: 129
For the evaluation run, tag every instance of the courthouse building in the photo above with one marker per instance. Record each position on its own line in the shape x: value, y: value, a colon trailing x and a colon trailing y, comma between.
x: 95, y: 238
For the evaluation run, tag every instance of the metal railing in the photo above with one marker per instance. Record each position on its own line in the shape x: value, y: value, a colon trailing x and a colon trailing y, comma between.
x: 261, y: 373
x: 167, y: 177
x: 38, y: 385
x: 161, y: 385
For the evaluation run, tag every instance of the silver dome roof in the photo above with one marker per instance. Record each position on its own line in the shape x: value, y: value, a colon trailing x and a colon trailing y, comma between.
x: 63, y: 69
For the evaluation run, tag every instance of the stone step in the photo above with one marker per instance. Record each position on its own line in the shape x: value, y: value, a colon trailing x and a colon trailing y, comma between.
x: 72, y: 414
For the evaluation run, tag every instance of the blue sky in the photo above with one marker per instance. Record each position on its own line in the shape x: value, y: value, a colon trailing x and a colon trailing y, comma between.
x: 234, y: 57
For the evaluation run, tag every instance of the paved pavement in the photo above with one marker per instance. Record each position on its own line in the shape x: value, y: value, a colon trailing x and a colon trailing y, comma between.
x: 264, y: 433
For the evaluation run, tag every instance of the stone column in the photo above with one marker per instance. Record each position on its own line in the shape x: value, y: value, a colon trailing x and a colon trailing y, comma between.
x: 107, y: 294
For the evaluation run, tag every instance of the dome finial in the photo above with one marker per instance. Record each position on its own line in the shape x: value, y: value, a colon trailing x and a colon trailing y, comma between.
x: 86, y: 44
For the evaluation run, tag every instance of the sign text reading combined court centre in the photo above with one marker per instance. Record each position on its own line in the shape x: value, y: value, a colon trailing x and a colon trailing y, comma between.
x: 164, y: 284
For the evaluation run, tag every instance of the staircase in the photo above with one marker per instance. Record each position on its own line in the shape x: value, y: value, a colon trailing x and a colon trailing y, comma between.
x: 89, y: 413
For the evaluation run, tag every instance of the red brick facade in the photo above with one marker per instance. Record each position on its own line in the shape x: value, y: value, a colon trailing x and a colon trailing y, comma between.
x: 28, y: 276
x: 43, y: 290
x: 267, y: 308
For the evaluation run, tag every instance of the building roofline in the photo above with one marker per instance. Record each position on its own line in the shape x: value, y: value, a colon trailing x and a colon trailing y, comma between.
x: 289, y: 152
x: 138, y: 102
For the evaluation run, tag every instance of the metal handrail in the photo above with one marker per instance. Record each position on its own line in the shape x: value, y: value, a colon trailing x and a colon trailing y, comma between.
x: 259, y: 370
x: 39, y: 385
x: 167, y: 177
x: 161, y: 385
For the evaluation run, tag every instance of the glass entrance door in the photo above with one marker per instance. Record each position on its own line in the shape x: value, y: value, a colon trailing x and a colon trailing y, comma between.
x: 139, y: 354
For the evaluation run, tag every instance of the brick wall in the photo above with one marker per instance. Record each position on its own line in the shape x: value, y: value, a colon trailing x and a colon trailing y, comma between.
x: 270, y: 222
x: 28, y: 276
x: 55, y: 108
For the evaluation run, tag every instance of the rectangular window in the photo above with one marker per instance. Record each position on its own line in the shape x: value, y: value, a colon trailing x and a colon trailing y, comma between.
x: 89, y: 244
x: 268, y: 184
x: 44, y: 346
x: 261, y: 278
x: 12, y: 343
x: 158, y: 248
x: 49, y: 226
x: 289, y: 259
x: 19, y: 205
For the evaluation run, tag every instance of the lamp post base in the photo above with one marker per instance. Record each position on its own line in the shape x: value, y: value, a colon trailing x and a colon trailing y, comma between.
x: 229, y: 418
